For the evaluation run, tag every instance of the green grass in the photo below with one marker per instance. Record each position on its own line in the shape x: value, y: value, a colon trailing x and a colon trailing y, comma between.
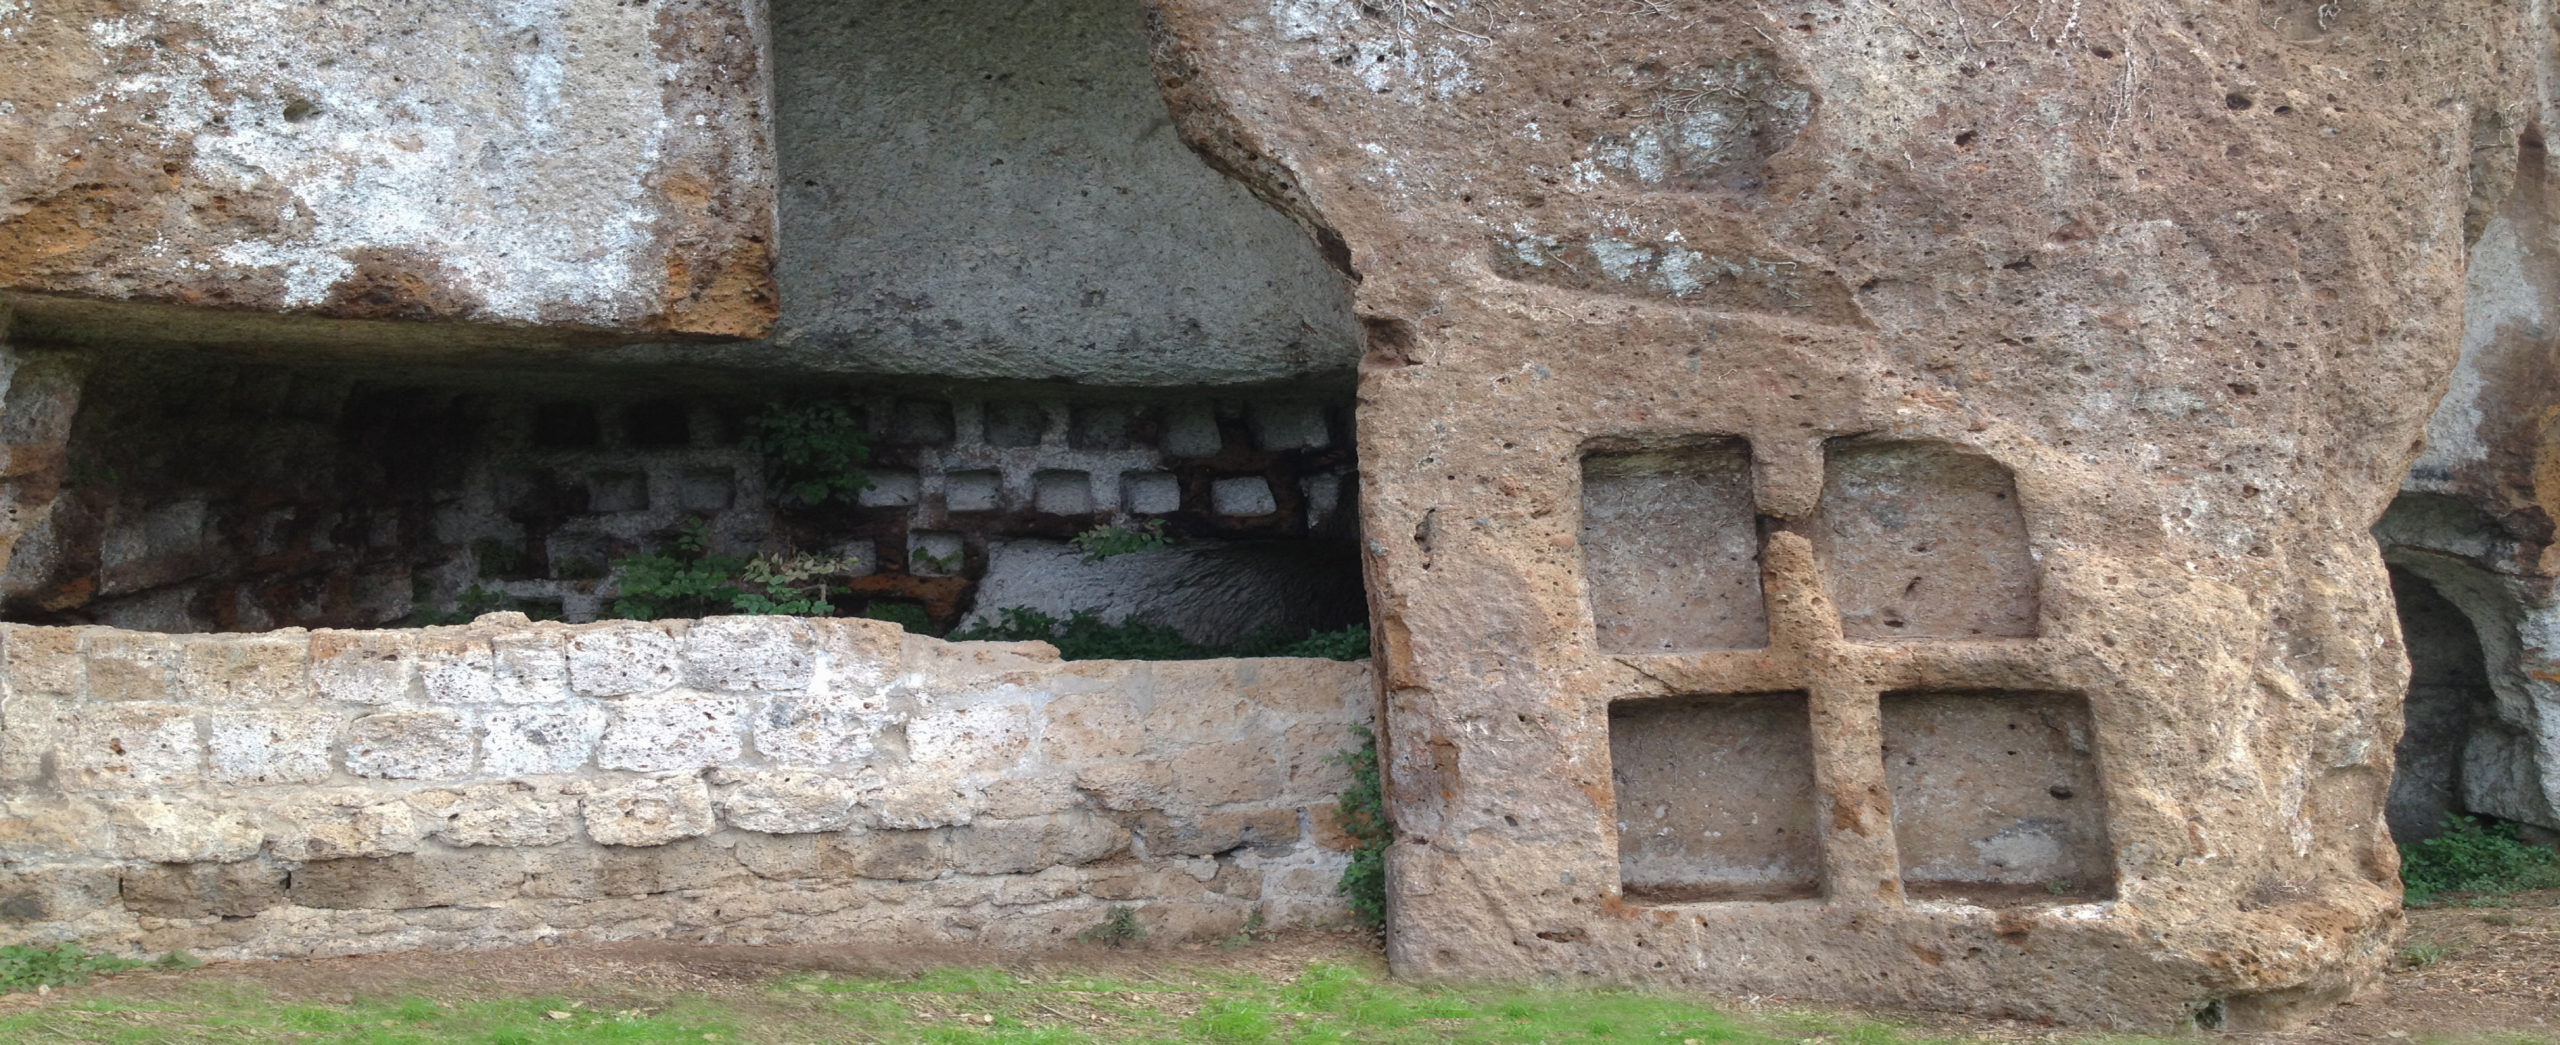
x: 1322, y: 1005
x: 27, y: 968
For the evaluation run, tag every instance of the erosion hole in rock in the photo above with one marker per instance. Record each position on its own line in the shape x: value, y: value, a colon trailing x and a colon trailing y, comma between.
x: 2449, y: 700
x: 1671, y: 547
x: 1997, y: 797
x: 1924, y: 541
x: 1715, y: 798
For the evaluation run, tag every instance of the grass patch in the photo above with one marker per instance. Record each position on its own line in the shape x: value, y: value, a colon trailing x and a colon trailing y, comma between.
x: 27, y: 968
x: 1321, y: 1004
x: 2483, y: 859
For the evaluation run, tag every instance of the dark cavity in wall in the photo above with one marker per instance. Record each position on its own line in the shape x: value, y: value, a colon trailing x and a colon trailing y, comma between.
x: 2449, y: 698
x: 210, y: 493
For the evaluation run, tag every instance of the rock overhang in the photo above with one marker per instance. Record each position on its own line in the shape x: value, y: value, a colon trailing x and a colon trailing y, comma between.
x: 571, y: 165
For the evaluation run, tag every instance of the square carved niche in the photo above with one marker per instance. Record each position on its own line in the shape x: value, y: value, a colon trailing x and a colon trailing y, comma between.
x: 1924, y: 541
x: 1996, y: 797
x: 1715, y: 798
x: 1671, y: 548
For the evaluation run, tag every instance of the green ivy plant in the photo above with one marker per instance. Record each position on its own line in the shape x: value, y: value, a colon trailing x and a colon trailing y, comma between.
x: 1362, y: 814
x: 813, y: 454
x: 1104, y: 542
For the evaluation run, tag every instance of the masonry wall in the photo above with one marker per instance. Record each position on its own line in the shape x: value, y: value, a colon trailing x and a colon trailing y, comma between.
x: 739, y: 779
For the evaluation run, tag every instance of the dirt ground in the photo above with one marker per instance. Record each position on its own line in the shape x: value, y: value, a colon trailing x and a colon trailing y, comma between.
x: 2488, y: 973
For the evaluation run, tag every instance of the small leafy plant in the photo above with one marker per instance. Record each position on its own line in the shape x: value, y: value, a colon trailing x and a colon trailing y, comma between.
x: 685, y: 579
x: 2421, y: 955
x: 1105, y: 542
x: 1119, y: 928
x: 813, y: 454
x: 2472, y: 856
x: 1362, y: 814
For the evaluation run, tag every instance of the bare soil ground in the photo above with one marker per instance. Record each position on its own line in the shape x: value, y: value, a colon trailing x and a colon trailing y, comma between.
x: 2475, y: 974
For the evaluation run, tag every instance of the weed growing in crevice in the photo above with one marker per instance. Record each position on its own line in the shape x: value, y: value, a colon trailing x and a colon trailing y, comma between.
x: 1119, y: 928
x: 1362, y: 814
x: 812, y: 454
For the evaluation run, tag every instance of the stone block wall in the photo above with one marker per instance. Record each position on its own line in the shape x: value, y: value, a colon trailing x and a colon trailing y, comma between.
x: 739, y: 779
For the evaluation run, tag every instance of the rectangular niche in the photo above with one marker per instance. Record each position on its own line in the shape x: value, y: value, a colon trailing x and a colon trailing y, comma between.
x: 1671, y: 549
x: 1996, y: 798
x: 1924, y: 541
x: 1715, y: 798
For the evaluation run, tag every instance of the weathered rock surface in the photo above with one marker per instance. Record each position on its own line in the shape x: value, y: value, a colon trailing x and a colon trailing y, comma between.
x: 2061, y: 354
x: 849, y: 783
x: 2471, y: 539
x: 576, y: 164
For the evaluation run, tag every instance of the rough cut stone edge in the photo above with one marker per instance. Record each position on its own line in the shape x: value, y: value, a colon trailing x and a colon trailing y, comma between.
x: 739, y: 779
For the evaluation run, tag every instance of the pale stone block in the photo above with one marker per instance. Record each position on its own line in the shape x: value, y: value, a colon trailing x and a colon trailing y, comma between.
x: 44, y: 662
x: 129, y: 665
x: 456, y: 668
x: 1199, y: 702
x: 1031, y: 796
x: 1307, y: 752
x: 537, y: 739
x: 990, y: 846
x: 1127, y: 785
x: 649, y: 812
x: 823, y: 726
x: 245, y: 670
x: 790, y: 803
x: 409, y: 745
x: 182, y: 832
x: 675, y: 730
x: 749, y: 653
x: 1051, y: 883
x: 1086, y: 728
x: 509, y: 814
x: 529, y: 667
x: 203, y: 890
x: 623, y: 658
x: 857, y: 654
x: 342, y: 823
x: 982, y: 737
x: 277, y: 746
x: 1217, y: 774
x: 362, y: 667
x: 117, y: 746
x: 917, y: 803
x: 32, y: 727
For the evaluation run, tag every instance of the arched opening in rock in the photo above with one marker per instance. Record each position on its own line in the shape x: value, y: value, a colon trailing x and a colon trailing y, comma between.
x: 2449, y: 697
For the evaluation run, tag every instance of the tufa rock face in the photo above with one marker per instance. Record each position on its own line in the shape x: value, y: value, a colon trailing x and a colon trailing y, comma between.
x: 579, y: 164
x: 1871, y: 503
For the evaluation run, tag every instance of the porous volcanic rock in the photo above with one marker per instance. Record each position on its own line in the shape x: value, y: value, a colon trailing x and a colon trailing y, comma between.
x: 578, y: 164
x: 1869, y: 499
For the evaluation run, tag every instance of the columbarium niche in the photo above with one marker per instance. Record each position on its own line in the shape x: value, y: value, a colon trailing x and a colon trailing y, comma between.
x: 1924, y: 541
x: 1715, y: 798
x: 1671, y: 551
x: 1996, y: 797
